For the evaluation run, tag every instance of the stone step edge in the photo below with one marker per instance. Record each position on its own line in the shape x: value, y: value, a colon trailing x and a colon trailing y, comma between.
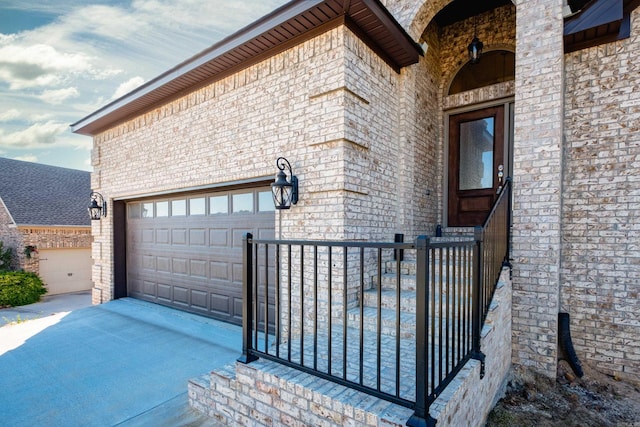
x: 329, y: 401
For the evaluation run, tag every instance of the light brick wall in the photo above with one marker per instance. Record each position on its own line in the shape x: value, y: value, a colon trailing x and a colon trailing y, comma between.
x: 601, y: 204
x: 537, y: 183
x: 9, y: 234
x: 51, y: 238
x: 41, y: 237
x: 309, y: 104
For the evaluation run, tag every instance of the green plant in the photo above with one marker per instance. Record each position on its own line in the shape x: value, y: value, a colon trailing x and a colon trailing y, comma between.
x: 6, y: 257
x: 20, y: 288
x: 29, y: 249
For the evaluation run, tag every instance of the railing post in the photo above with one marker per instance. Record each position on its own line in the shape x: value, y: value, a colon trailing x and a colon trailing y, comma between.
x: 507, y: 261
x: 247, y: 299
x: 421, y: 416
x: 477, y: 299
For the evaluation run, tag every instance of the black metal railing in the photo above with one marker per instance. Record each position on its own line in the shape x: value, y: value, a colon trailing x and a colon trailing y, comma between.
x: 347, y: 312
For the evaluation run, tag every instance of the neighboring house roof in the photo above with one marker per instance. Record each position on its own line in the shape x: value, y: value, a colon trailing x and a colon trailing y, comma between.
x: 37, y: 194
x: 287, y: 25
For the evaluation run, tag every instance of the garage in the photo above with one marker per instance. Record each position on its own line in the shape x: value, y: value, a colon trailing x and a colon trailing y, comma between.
x: 65, y: 271
x: 185, y: 251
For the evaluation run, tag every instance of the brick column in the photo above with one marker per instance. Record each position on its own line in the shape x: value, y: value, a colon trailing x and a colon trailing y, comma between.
x: 537, y: 183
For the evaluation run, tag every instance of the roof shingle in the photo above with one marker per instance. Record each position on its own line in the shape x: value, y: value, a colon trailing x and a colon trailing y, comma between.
x: 37, y: 194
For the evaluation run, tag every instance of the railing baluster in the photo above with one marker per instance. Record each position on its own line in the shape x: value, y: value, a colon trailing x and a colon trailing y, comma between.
x: 277, y: 300
x: 290, y: 290
x: 266, y: 297
x: 379, y: 321
x: 330, y: 309
x: 315, y: 306
x: 361, y: 302
x: 301, y: 305
x: 398, y: 320
x: 344, y: 314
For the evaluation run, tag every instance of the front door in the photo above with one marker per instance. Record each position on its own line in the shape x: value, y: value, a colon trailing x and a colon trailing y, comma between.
x: 476, y: 164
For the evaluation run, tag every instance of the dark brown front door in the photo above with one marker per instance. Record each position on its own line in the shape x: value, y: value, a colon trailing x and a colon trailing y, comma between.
x: 476, y: 164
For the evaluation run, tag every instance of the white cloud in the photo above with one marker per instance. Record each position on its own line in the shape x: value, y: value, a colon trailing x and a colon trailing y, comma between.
x: 9, y: 115
x: 58, y: 96
x: 37, y: 135
x: 128, y: 86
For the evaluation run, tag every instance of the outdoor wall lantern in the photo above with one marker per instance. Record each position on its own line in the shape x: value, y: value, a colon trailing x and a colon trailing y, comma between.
x: 285, y: 191
x: 475, y: 47
x: 98, y: 207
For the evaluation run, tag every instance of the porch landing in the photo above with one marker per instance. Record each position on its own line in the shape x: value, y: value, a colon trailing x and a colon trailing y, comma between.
x: 266, y: 393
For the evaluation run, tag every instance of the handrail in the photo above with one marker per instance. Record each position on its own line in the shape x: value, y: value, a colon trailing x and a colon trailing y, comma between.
x: 304, y: 304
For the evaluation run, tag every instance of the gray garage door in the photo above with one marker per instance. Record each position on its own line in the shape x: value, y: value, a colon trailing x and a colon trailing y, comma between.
x: 186, y: 251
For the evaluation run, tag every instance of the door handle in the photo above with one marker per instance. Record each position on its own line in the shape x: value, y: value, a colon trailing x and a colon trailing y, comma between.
x: 500, y: 176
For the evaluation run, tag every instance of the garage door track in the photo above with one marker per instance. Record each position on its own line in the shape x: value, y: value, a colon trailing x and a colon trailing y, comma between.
x: 123, y: 363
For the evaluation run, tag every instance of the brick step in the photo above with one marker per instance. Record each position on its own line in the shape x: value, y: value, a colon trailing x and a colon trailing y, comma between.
x: 410, y: 267
x: 407, y: 321
x: 407, y: 300
x: 408, y: 281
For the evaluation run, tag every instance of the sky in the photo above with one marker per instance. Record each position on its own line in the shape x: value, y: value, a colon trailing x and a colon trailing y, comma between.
x: 61, y: 60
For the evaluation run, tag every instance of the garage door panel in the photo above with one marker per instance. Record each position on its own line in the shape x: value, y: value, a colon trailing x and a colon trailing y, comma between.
x: 238, y: 234
x: 149, y: 262
x: 197, y: 237
x: 147, y: 235
x: 65, y: 270
x: 220, y: 304
x: 179, y: 236
x: 149, y: 288
x: 219, y: 270
x: 164, y: 292
x: 180, y: 295
x: 219, y: 238
x: 162, y: 236
x: 266, y: 233
x: 179, y: 266
x: 194, y: 262
x: 237, y: 273
x: 198, y: 268
x: 199, y: 299
x: 163, y: 264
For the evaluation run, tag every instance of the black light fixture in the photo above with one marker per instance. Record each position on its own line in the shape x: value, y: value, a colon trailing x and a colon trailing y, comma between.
x: 475, y: 47
x: 285, y: 191
x: 98, y: 207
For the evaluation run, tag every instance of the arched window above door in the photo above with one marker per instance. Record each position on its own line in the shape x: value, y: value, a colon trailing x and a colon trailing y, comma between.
x: 496, y: 66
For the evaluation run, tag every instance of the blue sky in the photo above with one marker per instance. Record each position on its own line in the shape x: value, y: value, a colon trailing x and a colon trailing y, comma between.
x: 60, y: 60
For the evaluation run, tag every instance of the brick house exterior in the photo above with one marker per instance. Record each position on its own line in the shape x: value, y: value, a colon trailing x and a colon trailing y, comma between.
x: 44, y: 207
x: 368, y: 134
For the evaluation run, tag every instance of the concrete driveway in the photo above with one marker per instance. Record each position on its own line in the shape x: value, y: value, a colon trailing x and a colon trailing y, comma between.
x: 123, y: 363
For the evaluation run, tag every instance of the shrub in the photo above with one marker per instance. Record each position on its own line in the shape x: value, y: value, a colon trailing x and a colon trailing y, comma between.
x: 20, y: 288
x: 6, y: 258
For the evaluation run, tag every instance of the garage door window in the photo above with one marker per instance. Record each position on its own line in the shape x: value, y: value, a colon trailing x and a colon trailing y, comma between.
x: 162, y: 209
x: 134, y: 210
x: 197, y: 206
x: 219, y: 205
x: 265, y: 202
x: 179, y: 207
x: 147, y: 210
x: 243, y: 203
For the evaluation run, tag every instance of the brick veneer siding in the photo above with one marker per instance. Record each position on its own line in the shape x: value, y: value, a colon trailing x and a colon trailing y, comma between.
x: 326, y: 104
x: 9, y: 234
x: 537, y: 183
x: 601, y: 204
x: 52, y: 238
x: 17, y: 237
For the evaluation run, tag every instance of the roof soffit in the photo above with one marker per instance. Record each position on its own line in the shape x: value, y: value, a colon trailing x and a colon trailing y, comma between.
x: 286, y: 26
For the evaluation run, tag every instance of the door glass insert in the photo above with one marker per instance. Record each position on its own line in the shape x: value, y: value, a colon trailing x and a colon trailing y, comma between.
x: 476, y: 154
